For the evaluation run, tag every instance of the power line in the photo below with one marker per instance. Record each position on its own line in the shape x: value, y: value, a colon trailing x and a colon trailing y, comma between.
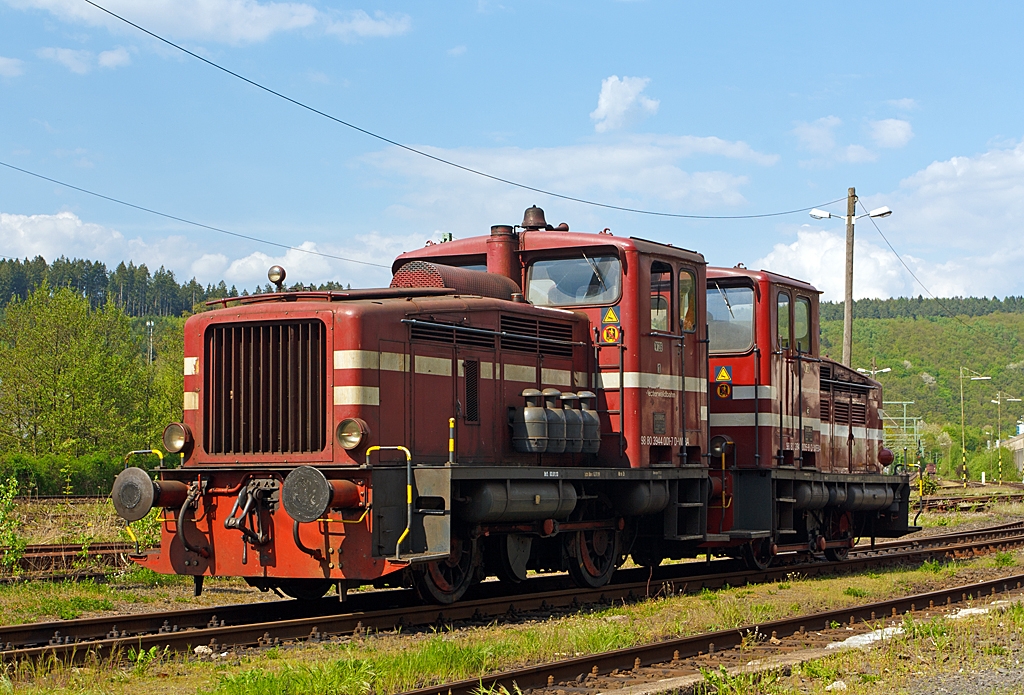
x: 900, y: 258
x: 190, y: 222
x: 435, y: 158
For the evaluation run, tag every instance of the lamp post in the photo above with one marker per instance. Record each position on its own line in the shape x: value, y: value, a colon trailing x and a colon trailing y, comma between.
x: 1000, y: 397
x: 851, y: 218
x: 974, y: 376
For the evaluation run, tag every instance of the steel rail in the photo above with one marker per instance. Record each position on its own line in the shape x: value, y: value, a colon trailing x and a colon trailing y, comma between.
x: 573, y: 670
x: 282, y: 621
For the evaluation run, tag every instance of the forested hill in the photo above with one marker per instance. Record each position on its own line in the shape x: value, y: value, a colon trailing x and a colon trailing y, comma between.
x: 925, y: 356
x: 132, y: 287
x: 919, y: 307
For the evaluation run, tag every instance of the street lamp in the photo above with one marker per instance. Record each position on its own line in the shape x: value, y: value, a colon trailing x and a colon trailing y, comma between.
x: 851, y: 218
x: 1000, y: 397
x: 149, y: 325
x: 873, y: 372
x: 974, y: 376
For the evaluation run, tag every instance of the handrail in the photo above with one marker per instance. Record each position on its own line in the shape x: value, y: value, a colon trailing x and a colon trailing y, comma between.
x: 408, y: 491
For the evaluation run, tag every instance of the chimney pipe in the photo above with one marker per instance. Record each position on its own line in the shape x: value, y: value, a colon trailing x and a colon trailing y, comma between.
x: 501, y: 253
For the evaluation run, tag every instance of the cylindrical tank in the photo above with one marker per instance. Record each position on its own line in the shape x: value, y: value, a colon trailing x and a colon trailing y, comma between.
x: 810, y: 495
x: 573, y: 423
x: 516, y: 500
x: 556, y: 421
x: 640, y: 497
x: 591, y: 423
x: 866, y: 498
x: 501, y: 253
x: 530, y: 425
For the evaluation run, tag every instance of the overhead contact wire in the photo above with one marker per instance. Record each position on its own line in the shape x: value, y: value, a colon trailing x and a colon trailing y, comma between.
x: 190, y: 222
x: 435, y: 158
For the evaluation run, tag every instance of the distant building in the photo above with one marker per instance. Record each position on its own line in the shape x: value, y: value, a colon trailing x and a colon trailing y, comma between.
x: 1016, y: 445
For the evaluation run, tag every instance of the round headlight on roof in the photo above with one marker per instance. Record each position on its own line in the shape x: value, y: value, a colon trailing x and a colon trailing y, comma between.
x: 351, y: 433
x: 177, y: 437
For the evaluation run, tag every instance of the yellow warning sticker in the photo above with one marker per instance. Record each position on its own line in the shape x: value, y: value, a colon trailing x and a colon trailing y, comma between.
x: 610, y: 316
x: 723, y: 374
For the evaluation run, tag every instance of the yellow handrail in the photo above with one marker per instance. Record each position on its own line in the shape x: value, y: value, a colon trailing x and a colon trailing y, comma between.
x: 408, y: 492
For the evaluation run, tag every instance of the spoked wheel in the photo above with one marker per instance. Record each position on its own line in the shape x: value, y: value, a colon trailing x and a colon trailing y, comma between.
x: 445, y: 581
x: 593, y: 556
x: 840, y: 528
x: 757, y: 554
x: 305, y: 589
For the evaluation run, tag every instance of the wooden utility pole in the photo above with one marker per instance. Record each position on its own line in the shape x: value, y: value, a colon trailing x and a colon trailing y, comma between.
x: 851, y: 212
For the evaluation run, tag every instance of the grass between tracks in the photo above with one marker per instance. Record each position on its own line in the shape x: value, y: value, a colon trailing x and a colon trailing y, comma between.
x: 389, y: 662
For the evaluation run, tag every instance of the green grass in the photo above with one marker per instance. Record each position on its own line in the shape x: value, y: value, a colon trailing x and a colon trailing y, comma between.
x: 855, y: 592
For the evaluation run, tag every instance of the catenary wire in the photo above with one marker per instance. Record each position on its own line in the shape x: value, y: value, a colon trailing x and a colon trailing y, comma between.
x: 435, y: 158
x: 190, y: 222
x: 904, y: 263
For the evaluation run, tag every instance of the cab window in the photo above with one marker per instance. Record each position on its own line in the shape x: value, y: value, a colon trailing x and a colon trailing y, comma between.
x: 661, y: 296
x: 576, y: 281
x: 687, y: 301
x: 783, y: 321
x: 730, y: 313
x: 802, y: 324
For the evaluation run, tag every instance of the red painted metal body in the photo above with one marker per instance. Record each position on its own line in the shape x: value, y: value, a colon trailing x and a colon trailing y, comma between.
x: 437, y: 382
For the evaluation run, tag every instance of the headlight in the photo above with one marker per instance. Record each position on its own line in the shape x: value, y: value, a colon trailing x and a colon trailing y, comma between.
x: 351, y: 432
x: 177, y: 437
x: 720, y: 445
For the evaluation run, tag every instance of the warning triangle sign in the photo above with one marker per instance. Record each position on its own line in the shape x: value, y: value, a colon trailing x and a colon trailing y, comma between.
x: 610, y: 316
x: 723, y: 374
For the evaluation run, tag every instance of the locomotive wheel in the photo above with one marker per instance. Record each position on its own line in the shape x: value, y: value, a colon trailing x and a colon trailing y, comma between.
x: 757, y: 554
x: 593, y: 556
x: 511, y: 555
x: 445, y: 581
x: 305, y: 589
x: 839, y: 529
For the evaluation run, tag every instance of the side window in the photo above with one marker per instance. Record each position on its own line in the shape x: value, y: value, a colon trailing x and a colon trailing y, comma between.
x: 661, y: 295
x: 687, y: 301
x: 783, y: 321
x: 802, y: 324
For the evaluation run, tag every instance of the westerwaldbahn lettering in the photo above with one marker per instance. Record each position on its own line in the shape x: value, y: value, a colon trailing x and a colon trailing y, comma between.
x: 535, y: 399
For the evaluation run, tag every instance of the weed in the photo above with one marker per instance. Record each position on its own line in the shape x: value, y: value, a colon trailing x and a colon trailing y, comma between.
x: 855, y: 592
x: 10, y: 539
x: 820, y: 669
x: 783, y: 585
x: 720, y: 682
x: 144, y: 657
x: 707, y: 594
x: 1004, y: 559
x: 835, y: 625
x: 932, y: 566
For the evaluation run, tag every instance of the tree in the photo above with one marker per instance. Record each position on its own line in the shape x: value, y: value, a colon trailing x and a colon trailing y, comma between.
x: 72, y: 378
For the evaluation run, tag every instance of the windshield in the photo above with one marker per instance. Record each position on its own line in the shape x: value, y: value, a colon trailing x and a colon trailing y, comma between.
x: 578, y: 281
x: 730, y: 318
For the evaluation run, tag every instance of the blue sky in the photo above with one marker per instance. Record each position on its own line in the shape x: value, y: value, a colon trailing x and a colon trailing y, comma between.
x: 710, y: 108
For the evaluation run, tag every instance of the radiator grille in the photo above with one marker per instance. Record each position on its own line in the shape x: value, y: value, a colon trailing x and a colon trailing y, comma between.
x: 471, y: 368
x: 265, y: 388
x: 549, y: 330
x: 438, y: 333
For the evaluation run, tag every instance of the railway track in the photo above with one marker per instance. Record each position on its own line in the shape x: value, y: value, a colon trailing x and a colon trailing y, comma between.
x: 62, y: 558
x: 667, y: 656
x: 279, y: 622
x: 965, y: 502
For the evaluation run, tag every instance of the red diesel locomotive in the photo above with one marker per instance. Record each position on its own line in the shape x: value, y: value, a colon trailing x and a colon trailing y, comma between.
x: 535, y: 399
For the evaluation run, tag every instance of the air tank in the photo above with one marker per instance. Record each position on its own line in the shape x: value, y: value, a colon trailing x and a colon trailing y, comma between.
x: 591, y: 423
x: 556, y: 421
x: 573, y: 423
x: 530, y: 425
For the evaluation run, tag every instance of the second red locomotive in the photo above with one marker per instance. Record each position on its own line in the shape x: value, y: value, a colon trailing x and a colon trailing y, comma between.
x: 534, y: 399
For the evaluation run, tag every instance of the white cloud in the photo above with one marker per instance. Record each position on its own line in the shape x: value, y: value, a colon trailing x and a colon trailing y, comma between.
x: 10, y: 67
x: 819, y: 136
x: 891, y: 133
x: 51, y: 236
x: 856, y: 154
x: 359, y: 24
x: 621, y: 101
x: 636, y: 171
x: 79, y: 62
x: 903, y: 104
x: 457, y: 51
x: 114, y: 58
